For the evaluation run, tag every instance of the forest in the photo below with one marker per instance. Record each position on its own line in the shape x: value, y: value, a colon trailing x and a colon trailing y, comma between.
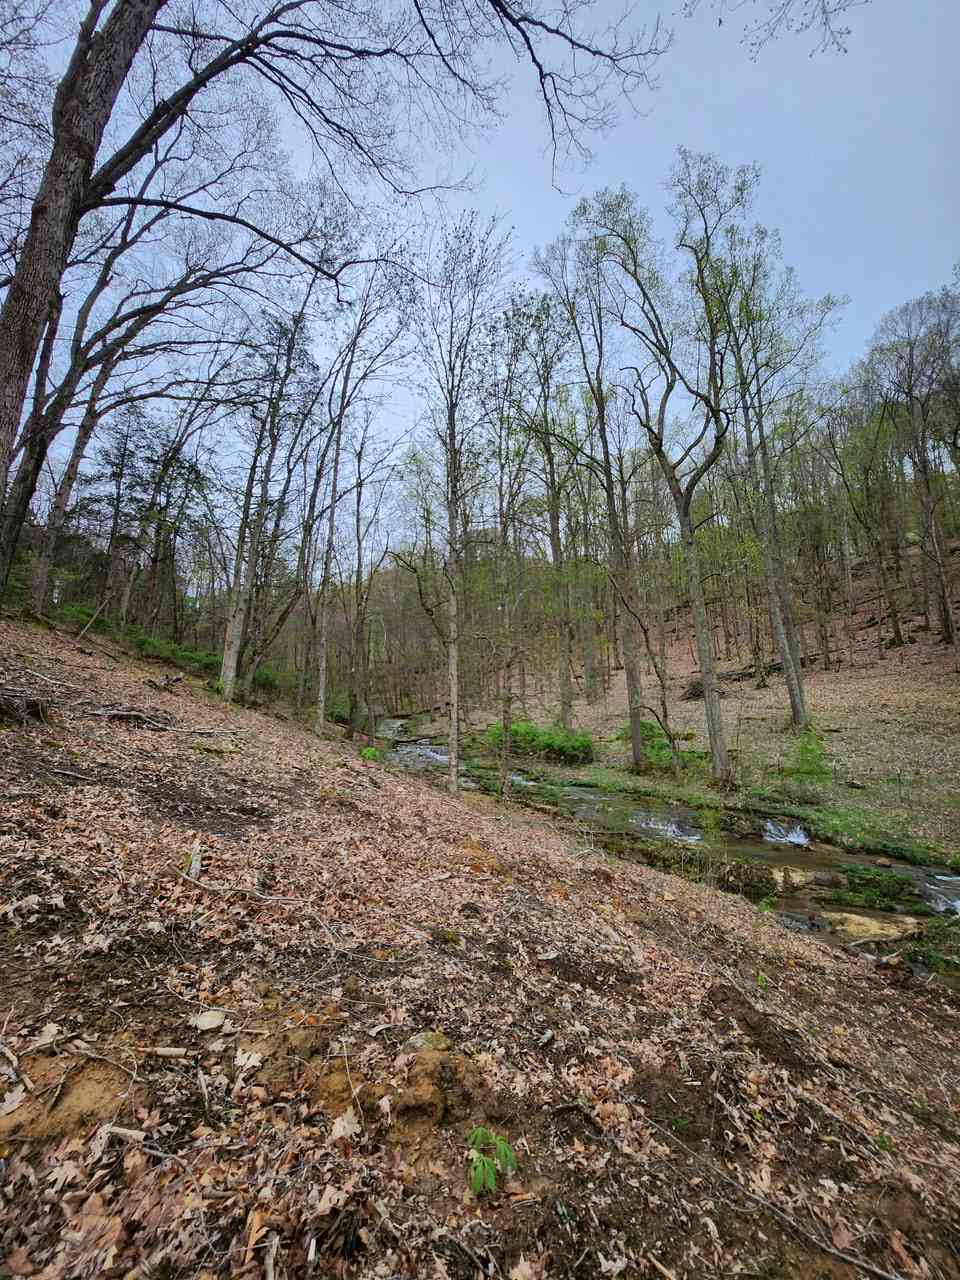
x: 479, y: 789
x: 633, y: 440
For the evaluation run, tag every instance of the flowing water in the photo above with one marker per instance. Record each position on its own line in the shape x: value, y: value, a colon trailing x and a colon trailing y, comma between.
x: 803, y: 868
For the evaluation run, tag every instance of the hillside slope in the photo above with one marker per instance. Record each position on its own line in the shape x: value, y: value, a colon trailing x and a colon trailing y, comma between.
x: 257, y: 992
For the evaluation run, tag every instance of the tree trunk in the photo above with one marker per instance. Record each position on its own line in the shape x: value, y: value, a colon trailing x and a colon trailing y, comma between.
x: 453, y: 673
x: 323, y: 605
x: 719, y: 755
x: 84, y: 102
x: 55, y: 520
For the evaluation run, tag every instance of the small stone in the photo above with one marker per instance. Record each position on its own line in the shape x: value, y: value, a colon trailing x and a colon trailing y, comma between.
x: 209, y: 1020
x: 434, y: 1040
x: 829, y: 879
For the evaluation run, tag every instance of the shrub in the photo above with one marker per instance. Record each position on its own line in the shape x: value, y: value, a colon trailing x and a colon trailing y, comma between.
x: 267, y: 679
x: 338, y: 710
x: 808, y: 758
x: 371, y: 753
x: 656, y: 747
x: 565, y: 746
x: 939, y: 948
x: 489, y: 1155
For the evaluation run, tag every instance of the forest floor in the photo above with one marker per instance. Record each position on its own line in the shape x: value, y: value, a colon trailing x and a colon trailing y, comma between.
x: 890, y: 730
x: 257, y: 992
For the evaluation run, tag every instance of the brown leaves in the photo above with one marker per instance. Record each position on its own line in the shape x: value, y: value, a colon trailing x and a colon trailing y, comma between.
x: 264, y: 1104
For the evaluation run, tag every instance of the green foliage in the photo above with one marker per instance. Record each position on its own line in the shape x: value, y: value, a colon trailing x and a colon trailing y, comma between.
x: 565, y: 746
x: 338, y: 709
x: 267, y: 679
x: 371, y: 753
x: 78, y: 615
x: 795, y: 791
x: 656, y: 746
x: 939, y: 948
x: 877, y: 890
x: 195, y: 661
x: 490, y: 1155
x: 808, y: 758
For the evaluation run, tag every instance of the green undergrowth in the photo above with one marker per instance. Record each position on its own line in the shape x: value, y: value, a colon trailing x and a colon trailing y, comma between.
x: 656, y: 746
x: 876, y: 889
x: 135, y: 639
x: 752, y: 880
x: 939, y: 948
x: 566, y: 746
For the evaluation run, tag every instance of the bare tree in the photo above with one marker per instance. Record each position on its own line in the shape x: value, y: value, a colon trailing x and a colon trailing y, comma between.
x: 465, y: 279
x: 364, y: 85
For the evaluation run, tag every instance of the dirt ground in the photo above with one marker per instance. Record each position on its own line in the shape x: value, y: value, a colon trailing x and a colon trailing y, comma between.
x: 257, y: 993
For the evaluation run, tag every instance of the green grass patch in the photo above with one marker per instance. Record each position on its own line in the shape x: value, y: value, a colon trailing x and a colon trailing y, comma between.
x: 565, y: 746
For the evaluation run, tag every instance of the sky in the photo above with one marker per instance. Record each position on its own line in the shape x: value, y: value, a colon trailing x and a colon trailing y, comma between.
x: 858, y: 151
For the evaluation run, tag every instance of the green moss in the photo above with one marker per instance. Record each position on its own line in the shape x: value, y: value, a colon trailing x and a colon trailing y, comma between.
x: 877, y: 890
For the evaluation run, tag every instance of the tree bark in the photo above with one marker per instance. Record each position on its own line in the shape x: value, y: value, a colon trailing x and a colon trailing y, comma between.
x: 84, y: 102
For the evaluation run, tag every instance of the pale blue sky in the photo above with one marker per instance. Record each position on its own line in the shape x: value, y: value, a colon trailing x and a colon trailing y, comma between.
x: 858, y: 151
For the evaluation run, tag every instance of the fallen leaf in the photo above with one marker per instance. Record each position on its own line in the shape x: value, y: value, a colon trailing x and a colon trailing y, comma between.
x: 345, y: 1126
x: 15, y: 1098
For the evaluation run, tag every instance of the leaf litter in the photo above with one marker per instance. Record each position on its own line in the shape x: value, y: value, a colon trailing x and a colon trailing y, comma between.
x: 255, y: 1002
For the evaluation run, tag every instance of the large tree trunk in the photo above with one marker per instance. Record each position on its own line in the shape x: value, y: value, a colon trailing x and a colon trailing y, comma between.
x: 82, y: 107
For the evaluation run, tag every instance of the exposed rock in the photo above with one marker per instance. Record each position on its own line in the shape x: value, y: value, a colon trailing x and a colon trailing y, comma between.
x: 829, y: 880
x: 866, y: 929
x: 434, y: 1040
x: 788, y: 878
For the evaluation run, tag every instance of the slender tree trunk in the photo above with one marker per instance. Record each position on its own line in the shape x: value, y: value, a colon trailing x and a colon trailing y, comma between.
x: 323, y: 605
x: 453, y: 670
x: 719, y: 755
x: 889, y: 595
x: 58, y: 511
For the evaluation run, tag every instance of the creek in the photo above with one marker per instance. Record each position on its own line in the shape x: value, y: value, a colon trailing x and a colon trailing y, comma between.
x: 778, y: 860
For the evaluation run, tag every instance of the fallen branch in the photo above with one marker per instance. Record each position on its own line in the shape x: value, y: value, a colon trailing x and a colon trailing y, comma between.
x: 228, y: 889
x: 790, y: 1223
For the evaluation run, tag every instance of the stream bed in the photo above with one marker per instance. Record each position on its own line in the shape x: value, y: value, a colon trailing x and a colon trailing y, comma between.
x: 801, y: 875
